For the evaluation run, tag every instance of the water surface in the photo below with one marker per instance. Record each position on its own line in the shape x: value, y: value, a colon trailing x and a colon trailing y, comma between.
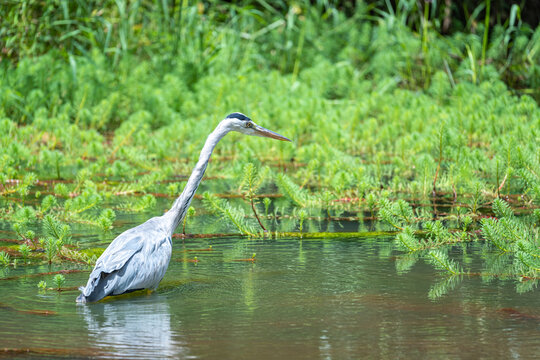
x: 300, y: 299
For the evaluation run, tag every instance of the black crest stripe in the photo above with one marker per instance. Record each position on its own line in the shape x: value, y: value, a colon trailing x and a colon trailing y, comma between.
x: 239, y: 116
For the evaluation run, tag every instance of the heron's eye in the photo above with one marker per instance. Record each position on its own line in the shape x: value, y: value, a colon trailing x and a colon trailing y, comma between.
x: 248, y: 125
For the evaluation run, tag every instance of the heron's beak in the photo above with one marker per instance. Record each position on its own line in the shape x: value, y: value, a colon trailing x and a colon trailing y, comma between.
x: 260, y: 131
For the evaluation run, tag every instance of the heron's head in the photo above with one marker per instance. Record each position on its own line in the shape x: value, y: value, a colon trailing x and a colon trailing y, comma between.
x: 241, y: 123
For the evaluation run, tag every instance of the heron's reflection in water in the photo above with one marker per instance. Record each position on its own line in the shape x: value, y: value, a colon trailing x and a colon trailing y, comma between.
x: 133, y: 328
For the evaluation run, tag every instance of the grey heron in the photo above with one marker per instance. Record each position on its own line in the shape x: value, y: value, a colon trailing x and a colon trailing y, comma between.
x: 138, y: 258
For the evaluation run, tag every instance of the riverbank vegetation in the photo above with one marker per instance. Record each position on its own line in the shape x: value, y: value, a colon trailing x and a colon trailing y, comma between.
x: 402, y: 123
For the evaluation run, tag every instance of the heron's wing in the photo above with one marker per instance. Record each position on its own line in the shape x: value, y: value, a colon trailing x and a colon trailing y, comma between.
x: 121, y: 250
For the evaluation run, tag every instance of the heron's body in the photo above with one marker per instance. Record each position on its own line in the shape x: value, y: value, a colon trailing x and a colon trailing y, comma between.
x: 138, y: 258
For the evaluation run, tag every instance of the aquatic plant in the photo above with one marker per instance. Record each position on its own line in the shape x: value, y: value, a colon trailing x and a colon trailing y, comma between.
x: 441, y: 261
x: 288, y: 188
x: 42, y: 285
x: 106, y: 219
x: 517, y: 236
x: 236, y: 216
x: 51, y: 246
x: 4, y: 258
x: 59, y: 281
x: 24, y: 215
x: 190, y: 213
x: 48, y: 203
x: 302, y: 214
x: 61, y: 189
x: 444, y: 286
x: 252, y: 180
x: 398, y: 214
x: 21, y: 231
x: 57, y: 231
x: 24, y: 250
x: 516, y: 239
x: 266, y: 202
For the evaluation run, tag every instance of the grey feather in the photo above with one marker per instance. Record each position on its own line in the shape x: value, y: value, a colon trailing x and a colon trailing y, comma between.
x: 136, y: 259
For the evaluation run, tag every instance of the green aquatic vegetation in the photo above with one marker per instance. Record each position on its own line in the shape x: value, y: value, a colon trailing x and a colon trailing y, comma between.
x: 61, y: 190
x: 48, y: 203
x: 371, y: 203
x: 56, y: 235
x: 88, y: 199
x: 25, y: 215
x: 140, y: 204
x: 398, y: 214
x: 252, y: 180
x: 51, y: 246
x: 59, y: 281
x: 266, y: 203
x: 106, y: 219
x: 444, y: 286
x: 4, y: 258
x: 52, y: 161
x: 224, y: 209
x: 288, y: 188
x: 24, y: 250
x: 42, y: 285
x: 519, y: 237
x: 190, y: 213
x: 20, y: 187
x: 440, y: 261
x: 477, y: 196
x: 407, y: 241
x: 56, y: 230
x: 22, y: 232
x: 516, y: 240
x: 302, y: 214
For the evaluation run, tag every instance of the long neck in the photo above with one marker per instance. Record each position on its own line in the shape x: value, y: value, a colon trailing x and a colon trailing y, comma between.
x: 179, y: 209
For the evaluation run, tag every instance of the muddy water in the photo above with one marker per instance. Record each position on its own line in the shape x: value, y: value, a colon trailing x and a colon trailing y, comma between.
x: 300, y: 299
